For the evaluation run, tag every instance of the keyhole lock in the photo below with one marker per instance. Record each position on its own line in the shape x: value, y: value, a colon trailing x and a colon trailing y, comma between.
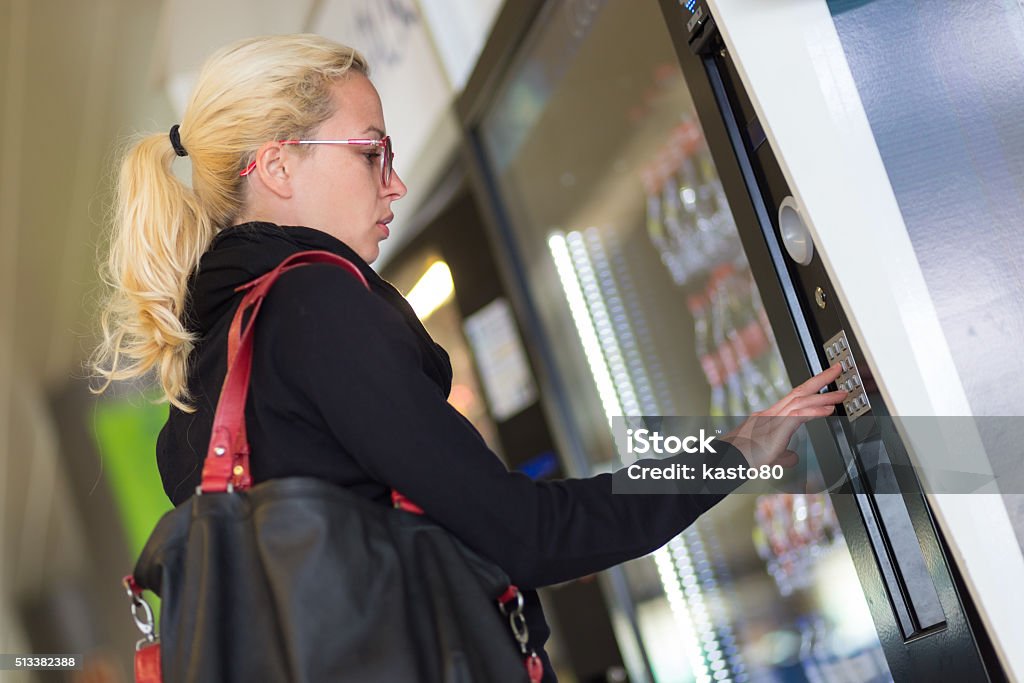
x: 819, y: 296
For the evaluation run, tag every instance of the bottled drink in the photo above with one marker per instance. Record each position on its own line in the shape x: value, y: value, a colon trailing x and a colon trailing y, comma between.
x: 769, y: 358
x: 758, y: 391
x: 656, y: 228
x: 708, y: 361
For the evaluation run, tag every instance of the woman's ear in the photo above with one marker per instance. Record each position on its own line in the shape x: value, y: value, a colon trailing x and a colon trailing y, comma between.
x: 274, y: 169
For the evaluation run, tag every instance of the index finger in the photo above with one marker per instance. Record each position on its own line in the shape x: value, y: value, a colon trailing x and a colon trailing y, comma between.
x: 819, y: 381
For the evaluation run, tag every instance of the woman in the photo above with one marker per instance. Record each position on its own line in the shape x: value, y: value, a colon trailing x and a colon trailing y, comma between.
x: 346, y: 384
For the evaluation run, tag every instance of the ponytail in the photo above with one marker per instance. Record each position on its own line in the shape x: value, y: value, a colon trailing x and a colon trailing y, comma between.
x: 160, y: 232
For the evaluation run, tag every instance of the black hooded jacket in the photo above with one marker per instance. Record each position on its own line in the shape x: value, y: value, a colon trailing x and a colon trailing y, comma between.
x: 348, y: 386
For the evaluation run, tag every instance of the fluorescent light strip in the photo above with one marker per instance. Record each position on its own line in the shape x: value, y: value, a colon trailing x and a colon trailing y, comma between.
x: 641, y: 383
x: 577, y: 278
x: 584, y: 326
x: 687, y: 549
x: 432, y: 290
x: 663, y: 400
x: 677, y: 602
x: 588, y: 256
x: 602, y: 323
x: 703, y: 548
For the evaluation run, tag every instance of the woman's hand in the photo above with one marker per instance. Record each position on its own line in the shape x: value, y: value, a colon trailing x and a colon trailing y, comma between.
x: 763, y: 438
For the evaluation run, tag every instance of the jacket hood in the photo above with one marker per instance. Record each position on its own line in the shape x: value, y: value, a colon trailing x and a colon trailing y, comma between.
x: 243, y: 252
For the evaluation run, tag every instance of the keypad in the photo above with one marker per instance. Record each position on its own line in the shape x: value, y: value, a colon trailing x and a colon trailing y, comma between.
x: 837, y: 350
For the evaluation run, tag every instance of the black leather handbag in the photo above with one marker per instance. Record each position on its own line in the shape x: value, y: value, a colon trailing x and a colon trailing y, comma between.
x: 298, y: 579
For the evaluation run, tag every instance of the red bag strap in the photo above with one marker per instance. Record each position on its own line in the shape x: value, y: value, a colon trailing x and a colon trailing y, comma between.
x: 227, y: 459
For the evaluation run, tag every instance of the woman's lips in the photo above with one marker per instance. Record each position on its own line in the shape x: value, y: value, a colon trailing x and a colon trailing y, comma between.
x: 385, y: 228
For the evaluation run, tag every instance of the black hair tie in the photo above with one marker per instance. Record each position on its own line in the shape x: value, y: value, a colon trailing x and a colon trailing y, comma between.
x: 176, y: 142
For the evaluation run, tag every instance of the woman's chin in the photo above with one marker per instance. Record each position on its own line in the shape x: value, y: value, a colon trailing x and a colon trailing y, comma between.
x: 370, y: 253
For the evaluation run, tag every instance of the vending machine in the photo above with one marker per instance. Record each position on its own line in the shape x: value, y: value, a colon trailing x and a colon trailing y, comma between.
x: 925, y: 619
x: 660, y: 258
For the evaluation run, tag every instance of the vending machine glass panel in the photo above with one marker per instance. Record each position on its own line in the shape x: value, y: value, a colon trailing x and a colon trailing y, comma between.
x: 632, y: 260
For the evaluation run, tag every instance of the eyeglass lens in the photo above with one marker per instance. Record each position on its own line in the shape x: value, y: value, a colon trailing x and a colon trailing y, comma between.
x: 389, y: 157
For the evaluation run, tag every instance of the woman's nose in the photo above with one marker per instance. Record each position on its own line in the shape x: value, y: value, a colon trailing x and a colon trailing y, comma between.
x: 396, y: 187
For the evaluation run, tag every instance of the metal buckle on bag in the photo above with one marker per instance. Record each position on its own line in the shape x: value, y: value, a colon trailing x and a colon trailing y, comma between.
x: 519, y: 602
x: 516, y: 620
x: 144, y: 622
x: 230, y: 489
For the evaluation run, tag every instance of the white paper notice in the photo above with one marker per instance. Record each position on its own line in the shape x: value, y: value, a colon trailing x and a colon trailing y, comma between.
x: 501, y: 359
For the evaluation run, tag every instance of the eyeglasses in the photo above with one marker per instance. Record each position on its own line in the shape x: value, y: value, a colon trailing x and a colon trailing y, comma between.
x: 387, y: 156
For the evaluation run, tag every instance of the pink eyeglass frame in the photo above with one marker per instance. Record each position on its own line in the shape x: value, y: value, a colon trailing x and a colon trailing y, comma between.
x: 385, y: 142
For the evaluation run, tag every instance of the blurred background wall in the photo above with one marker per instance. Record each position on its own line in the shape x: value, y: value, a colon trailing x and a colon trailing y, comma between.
x: 73, y: 77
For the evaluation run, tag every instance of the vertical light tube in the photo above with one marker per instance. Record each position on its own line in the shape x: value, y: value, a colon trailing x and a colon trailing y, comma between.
x: 602, y: 323
x: 584, y: 327
x: 620, y: 323
x: 614, y: 384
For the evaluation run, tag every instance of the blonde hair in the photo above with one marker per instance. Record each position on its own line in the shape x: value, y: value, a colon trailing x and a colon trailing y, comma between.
x: 250, y: 92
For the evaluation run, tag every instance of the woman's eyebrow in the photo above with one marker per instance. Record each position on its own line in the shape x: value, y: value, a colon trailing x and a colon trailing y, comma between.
x: 374, y: 129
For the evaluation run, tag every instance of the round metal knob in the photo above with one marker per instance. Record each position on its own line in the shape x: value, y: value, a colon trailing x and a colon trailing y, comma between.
x: 796, y: 238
